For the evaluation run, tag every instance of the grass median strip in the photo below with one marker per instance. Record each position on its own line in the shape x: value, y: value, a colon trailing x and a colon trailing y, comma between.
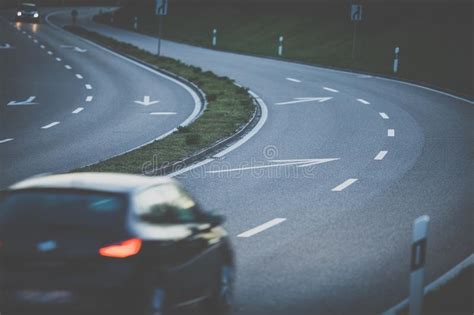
x: 229, y: 108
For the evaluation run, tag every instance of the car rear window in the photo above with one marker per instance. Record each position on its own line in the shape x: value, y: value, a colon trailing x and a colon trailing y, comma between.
x: 62, y: 207
x: 28, y: 8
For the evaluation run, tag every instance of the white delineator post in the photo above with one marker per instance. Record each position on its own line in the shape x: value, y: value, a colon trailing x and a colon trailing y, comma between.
x: 135, y: 23
x: 280, y: 46
x: 395, y: 61
x: 214, y: 37
x: 418, y: 259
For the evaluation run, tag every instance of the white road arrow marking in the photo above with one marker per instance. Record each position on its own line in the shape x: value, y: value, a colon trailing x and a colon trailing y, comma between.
x: 146, y: 101
x: 28, y: 101
x: 305, y: 100
x: 278, y: 163
x: 6, y: 46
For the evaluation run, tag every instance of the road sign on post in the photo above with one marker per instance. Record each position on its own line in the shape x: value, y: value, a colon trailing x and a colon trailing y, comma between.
x: 356, y: 16
x: 161, y: 10
x: 417, y: 265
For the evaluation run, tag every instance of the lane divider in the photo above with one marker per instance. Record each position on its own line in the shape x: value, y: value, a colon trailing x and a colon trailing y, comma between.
x: 345, y: 184
x: 384, y: 116
x: 363, y: 101
x: 330, y: 90
x: 391, y: 133
x: 78, y: 110
x: 50, y: 125
x: 262, y: 227
x: 6, y: 140
x: 380, y: 155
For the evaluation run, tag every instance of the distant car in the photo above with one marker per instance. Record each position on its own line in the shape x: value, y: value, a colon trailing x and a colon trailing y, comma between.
x: 135, y: 243
x: 27, y: 12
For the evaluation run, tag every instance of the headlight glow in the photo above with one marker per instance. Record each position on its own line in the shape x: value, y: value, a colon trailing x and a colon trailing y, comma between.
x: 36, y: 15
x: 18, y: 13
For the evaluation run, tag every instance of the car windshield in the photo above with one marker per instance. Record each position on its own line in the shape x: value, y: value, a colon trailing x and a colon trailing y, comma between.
x: 28, y: 7
x: 61, y: 207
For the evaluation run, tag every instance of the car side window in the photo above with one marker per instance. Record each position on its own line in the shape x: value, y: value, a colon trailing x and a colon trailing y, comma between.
x: 166, y: 204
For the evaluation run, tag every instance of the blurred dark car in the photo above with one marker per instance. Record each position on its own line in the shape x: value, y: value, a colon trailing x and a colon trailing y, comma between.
x: 27, y: 12
x: 133, y: 243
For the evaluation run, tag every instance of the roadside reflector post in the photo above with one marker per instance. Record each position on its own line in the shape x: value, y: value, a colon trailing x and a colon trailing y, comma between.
x: 214, y: 37
x: 280, y: 46
x: 395, y: 61
x: 418, y: 259
x: 135, y: 23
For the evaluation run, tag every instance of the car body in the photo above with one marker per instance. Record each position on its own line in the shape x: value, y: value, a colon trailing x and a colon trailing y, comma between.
x: 27, y: 12
x: 98, y: 240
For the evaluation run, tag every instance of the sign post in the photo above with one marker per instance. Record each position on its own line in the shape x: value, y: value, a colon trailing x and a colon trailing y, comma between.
x: 160, y: 10
x: 356, y: 16
x: 418, y: 259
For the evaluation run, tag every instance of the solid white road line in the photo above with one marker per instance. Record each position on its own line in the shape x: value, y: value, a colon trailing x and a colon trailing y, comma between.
x: 384, y: 116
x: 88, y: 86
x: 89, y: 98
x: 50, y: 52
x: 42, y: 47
x: 6, y: 140
x: 380, y: 155
x: 50, y: 125
x: 262, y: 227
x: 344, y: 185
x: 80, y: 77
x: 68, y: 67
x: 78, y: 110
x: 294, y: 80
x: 391, y: 132
x: 163, y: 113
x: 330, y: 90
x: 363, y: 101
x: 58, y: 59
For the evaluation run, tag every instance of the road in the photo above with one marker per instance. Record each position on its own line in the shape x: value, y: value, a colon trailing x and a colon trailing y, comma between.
x: 82, y: 107
x: 320, y: 201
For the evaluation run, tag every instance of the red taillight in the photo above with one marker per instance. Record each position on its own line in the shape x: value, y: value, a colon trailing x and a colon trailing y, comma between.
x: 123, y: 249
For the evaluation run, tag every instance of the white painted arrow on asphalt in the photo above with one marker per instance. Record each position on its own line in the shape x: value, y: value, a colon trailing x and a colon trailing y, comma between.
x: 146, y: 101
x: 278, y: 163
x: 6, y: 46
x: 305, y: 100
x: 28, y: 101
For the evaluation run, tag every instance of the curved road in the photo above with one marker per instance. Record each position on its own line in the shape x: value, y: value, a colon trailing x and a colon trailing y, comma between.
x: 84, y: 107
x: 321, y: 200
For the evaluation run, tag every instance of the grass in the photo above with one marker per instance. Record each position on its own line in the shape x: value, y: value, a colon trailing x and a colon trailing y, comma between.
x: 435, y: 38
x: 454, y: 297
x: 229, y: 107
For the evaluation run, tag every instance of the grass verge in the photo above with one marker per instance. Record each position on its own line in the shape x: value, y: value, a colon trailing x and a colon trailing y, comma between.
x: 229, y: 108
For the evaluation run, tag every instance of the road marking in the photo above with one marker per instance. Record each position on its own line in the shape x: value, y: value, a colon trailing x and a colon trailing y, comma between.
x: 262, y: 227
x: 28, y: 101
x: 363, y: 101
x: 35, y: 41
x: 365, y: 76
x: 42, y: 47
x: 330, y: 90
x: 384, y: 116
x: 29, y: 36
x: 75, y: 48
x: 305, y: 100
x: 23, y: 32
x: 58, y: 59
x: 294, y: 80
x: 78, y: 110
x: 380, y: 155
x: 391, y: 132
x: 89, y: 98
x: 68, y: 67
x: 344, y: 185
x: 163, y: 113
x: 50, y: 125
x: 146, y: 101
x: 6, y: 140
x: 50, y: 52
x: 88, y: 86
x: 277, y: 163
x: 6, y: 46
x: 79, y: 76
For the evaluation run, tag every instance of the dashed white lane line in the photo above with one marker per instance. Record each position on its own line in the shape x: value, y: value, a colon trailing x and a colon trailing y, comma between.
x: 42, y: 47
x: 35, y: 41
x: 29, y: 36
x: 68, y: 67
x: 262, y: 227
x: 78, y: 110
x: 330, y: 90
x: 89, y: 98
x: 163, y: 113
x: 384, y: 116
x: 58, y: 59
x: 80, y: 77
x: 50, y: 125
x: 391, y: 133
x: 363, y: 101
x: 344, y: 185
x: 88, y: 86
x: 380, y: 155
x: 294, y: 80
x: 6, y: 140
x: 50, y: 52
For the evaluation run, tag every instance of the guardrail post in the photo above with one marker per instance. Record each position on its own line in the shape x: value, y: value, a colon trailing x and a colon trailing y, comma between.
x: 214, y: 37
x: 395, y: 61
x: 280, y: 46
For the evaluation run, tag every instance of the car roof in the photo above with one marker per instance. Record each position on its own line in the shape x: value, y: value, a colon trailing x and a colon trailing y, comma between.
x: 106, y: 182
x: 28, y: 4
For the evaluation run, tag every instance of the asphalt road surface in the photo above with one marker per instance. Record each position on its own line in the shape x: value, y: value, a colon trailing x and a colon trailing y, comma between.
x: 321, y: 199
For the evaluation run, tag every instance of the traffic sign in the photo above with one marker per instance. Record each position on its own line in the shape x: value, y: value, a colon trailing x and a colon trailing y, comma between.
x: 161, y: 7
x: 356, y: 12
